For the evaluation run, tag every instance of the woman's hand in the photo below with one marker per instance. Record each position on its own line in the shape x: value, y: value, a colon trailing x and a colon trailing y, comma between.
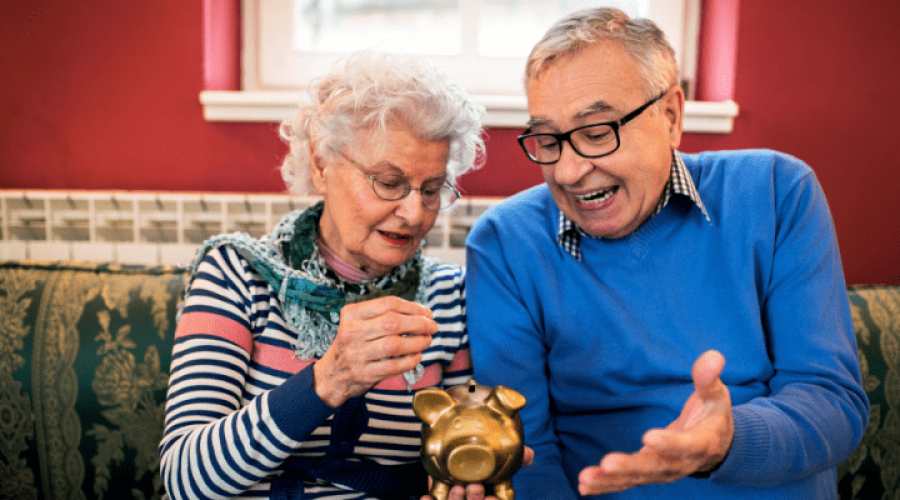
x: 376, y: 340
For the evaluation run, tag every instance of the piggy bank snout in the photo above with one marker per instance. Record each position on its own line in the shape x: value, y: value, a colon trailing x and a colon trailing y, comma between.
x: 471, y: 463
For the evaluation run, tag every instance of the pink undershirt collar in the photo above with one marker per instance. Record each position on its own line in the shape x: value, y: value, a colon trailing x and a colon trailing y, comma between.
x: 343, y: 269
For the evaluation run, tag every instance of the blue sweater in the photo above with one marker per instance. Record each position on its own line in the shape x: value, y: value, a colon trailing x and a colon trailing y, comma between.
x: 603, y: 348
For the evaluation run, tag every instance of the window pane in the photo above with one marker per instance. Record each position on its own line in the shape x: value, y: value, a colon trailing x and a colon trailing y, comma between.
x: 290, y: 42
x: 432, y: 26
x: 509, y: 28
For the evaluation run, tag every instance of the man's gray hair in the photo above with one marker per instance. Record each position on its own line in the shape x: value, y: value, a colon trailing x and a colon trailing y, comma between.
x: 369, y: 93
x: 641, y: 38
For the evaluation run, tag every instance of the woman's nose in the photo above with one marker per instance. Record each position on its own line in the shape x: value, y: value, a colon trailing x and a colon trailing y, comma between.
x: 411, y: 209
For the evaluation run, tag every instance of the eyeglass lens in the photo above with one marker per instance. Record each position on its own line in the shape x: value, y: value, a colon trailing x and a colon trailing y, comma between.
x: 393, y: 187
x: 590, y: 141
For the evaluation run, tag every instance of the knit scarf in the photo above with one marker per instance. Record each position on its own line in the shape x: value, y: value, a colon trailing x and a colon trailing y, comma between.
x: 310, y: 293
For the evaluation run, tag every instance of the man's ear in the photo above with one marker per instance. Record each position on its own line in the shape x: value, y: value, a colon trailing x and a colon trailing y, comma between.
x: 673, y: 108
x: 317, y: 170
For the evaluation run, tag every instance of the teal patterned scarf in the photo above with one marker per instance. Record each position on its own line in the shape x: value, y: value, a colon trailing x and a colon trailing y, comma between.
x: 310, y: 293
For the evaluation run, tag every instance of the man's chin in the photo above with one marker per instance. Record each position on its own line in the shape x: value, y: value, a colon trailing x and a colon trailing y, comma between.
x: 606, y: 231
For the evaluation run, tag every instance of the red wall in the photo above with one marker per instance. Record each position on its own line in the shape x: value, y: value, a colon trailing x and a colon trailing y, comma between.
x: 102, y: 94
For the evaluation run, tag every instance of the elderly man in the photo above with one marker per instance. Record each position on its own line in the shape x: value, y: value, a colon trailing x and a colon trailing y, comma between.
x: 612, y: 295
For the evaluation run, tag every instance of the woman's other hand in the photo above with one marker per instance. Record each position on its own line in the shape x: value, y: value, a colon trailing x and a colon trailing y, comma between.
x: 376, y: 340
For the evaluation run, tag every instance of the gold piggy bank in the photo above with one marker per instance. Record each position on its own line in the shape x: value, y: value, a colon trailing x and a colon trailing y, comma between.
x: 471, y: 434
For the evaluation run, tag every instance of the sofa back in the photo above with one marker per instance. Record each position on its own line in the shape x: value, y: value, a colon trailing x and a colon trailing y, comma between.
x: 873, y: 470
x: 84, y: 357
x: 84, y: 361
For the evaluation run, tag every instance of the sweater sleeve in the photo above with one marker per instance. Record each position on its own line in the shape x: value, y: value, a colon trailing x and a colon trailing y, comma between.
x: 507, y: 348
x: 817, y: 411
x: 216, y: 444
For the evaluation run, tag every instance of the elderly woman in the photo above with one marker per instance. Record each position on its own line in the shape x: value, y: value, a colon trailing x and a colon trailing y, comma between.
x: 297, y: 354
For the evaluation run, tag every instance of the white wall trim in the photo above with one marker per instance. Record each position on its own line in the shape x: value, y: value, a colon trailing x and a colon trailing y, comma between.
x: 502, y: 111
x: 165, y: 228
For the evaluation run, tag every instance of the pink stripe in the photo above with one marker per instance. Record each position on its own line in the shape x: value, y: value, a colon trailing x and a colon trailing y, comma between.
x: 432, y: 376
x: 279, y: 358
x: 213, y: 324
x: 462, y: 361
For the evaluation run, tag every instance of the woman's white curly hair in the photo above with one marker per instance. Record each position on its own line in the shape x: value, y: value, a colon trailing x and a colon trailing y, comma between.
x: 369, y: 93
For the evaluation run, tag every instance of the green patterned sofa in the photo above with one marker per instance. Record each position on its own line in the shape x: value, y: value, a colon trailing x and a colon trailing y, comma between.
x: 84, y: 358
x: 872, y: 472
x: 85, y: 351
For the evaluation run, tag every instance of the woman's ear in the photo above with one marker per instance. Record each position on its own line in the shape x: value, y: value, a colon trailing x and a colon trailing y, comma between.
x: 317, y: 170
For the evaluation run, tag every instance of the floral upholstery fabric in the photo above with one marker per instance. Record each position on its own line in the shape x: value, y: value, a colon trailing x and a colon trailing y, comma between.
x: 873, y: 471
x: 84, y: 359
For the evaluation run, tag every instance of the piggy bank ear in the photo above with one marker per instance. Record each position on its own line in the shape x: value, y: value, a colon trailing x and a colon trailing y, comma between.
x: 505, y: 400
x: 430, y: 403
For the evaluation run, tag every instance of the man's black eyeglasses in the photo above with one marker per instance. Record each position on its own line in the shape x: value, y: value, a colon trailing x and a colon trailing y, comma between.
x: 589, y: 141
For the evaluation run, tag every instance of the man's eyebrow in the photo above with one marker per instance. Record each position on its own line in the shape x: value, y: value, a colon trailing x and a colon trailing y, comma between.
x: 532, y: 122
x: 597, y: 107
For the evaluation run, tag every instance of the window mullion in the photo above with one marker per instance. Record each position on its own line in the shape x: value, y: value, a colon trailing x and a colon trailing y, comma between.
x: 469, y: 15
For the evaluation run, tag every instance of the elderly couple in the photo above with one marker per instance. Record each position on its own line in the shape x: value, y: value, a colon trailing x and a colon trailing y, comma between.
x: 611, y: 297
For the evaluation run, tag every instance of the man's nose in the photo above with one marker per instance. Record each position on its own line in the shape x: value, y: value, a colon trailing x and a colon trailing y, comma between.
x: 571, y: 166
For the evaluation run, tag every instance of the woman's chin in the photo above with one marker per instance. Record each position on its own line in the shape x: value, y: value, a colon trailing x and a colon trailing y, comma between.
x: 385, y: 262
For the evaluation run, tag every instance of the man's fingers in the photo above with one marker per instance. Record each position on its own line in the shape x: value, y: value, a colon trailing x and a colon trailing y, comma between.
x: 598, y: 480
x: 621, y: 471
x: 707, y: 370
x: 699, y: 438
x: 528, y: 457
x: 675, y: 445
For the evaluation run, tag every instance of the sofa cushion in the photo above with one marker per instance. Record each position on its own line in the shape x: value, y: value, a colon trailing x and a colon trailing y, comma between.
x: 873, y: 470
x: 84, y: 361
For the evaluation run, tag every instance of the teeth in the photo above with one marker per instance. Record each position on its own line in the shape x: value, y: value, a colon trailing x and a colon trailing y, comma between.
x: 395, y: 236
x: 597, y: 196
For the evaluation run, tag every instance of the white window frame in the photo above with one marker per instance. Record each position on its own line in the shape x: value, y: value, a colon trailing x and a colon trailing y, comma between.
x: 272, y: 79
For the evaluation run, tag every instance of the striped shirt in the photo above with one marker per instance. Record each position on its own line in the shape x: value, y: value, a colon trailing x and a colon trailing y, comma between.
x: 240, y: 403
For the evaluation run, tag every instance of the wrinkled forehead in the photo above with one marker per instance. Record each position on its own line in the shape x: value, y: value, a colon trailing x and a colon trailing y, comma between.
x: 601, y: 79
x: 369, y: 144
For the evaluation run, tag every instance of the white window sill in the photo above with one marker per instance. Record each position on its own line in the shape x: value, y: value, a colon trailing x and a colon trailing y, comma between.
x: 275, y: 106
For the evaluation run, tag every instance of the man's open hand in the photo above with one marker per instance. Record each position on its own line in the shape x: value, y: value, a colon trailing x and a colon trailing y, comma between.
x: 697, y: 441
